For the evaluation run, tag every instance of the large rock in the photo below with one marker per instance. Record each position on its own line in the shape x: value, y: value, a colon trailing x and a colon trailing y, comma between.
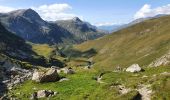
x: 134, y: 68
x: 50, y: 76
x: 37, y: 76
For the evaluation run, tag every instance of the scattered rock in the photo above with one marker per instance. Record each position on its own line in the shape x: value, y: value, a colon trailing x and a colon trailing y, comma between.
x: 123, y: 89
x: 99, y: 78
x: 33, y: 96
x: 50, y: 76
x: 37, y: 76
x: 134, y: 68
x: 117, y: 69
x: 42, y: 94
x: 63, y: 79
x: 144, y: 76
x: 68, y: 70
x: 165, y: 73
x: 15, y: 76
x: 164, y: 60
x: 145, y: 92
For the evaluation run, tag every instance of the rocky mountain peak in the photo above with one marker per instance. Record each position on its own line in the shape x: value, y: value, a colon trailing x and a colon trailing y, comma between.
x: 76, y: 19
x: 28, y: 13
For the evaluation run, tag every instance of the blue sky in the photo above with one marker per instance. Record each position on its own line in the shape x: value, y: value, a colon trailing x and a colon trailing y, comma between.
x: 93, y: 11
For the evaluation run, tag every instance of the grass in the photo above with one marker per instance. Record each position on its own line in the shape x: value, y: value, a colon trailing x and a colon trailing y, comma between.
x: 82, y: 85
x: 42, y: 49
x: 141, y: 43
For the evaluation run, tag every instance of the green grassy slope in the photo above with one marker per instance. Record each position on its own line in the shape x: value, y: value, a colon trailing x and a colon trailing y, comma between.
x: 141, y: 43
x: 82, y: 86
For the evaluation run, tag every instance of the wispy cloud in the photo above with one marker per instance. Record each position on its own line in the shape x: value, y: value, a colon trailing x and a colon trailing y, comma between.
x: 51, y: 12
x: 147, y: 11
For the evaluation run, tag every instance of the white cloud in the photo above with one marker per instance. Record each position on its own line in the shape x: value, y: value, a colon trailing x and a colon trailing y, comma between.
x: 54, y: 12
x: 51, y: 12
x: 147, y: 11
x: 4, y: 9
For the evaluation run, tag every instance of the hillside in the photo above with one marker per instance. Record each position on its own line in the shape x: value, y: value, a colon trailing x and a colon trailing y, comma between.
x: 13, y: 45
x: 141, y: 43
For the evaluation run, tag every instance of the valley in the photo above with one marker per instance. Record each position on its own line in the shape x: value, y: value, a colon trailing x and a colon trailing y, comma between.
x: 74, y: 60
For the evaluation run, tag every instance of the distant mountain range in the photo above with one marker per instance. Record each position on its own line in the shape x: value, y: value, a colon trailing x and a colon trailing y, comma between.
x: 109, y: 28
x: 27, y: 24
x: 114, y: 28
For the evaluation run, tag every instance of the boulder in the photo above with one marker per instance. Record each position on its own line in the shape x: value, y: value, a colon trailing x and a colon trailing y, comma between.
x: 134, y: 68
x: 50, y: 76
x: 42, y: 94
x: 37, y: 76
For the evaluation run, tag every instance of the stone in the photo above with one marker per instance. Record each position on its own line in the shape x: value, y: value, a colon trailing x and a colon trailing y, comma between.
x: 37, y: 76
x: 162, y: 61
x: 34, y: 96
x: 63, y: 79
x: 134, y: 68
x: 43, y: 93
x: 50, y: 76
x: 68, y: 71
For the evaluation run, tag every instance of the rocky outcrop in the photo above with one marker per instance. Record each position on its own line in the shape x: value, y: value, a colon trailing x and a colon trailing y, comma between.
x: 11, y: 72
x: 145, y: 92
x: 134, y: 68
x: 162, y: 61
x: 50, y: 76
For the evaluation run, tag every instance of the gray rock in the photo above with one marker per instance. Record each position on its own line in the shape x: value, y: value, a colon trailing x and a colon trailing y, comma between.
x: 43, y: 94
x: 162, y: 61
x: 134, y: 68
x: 50, y: 76
x: 68, y: 71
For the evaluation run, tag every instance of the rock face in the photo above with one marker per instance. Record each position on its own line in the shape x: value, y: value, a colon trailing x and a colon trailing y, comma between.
x: 134, y: 68
x: 50, y: 76
x: 13, y: 45
x: 12, y: 73
x: 162, y: 61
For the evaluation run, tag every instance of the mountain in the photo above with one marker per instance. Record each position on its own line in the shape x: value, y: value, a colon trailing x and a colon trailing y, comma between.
x: 13, y: 45
x: 82, y: 31
x: 141, y: 43
x: 109, y: 28
x: 114, y: 28
x: 27, y: 24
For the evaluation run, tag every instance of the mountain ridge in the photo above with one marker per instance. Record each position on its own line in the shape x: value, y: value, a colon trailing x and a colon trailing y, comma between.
x: 27, y: 24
